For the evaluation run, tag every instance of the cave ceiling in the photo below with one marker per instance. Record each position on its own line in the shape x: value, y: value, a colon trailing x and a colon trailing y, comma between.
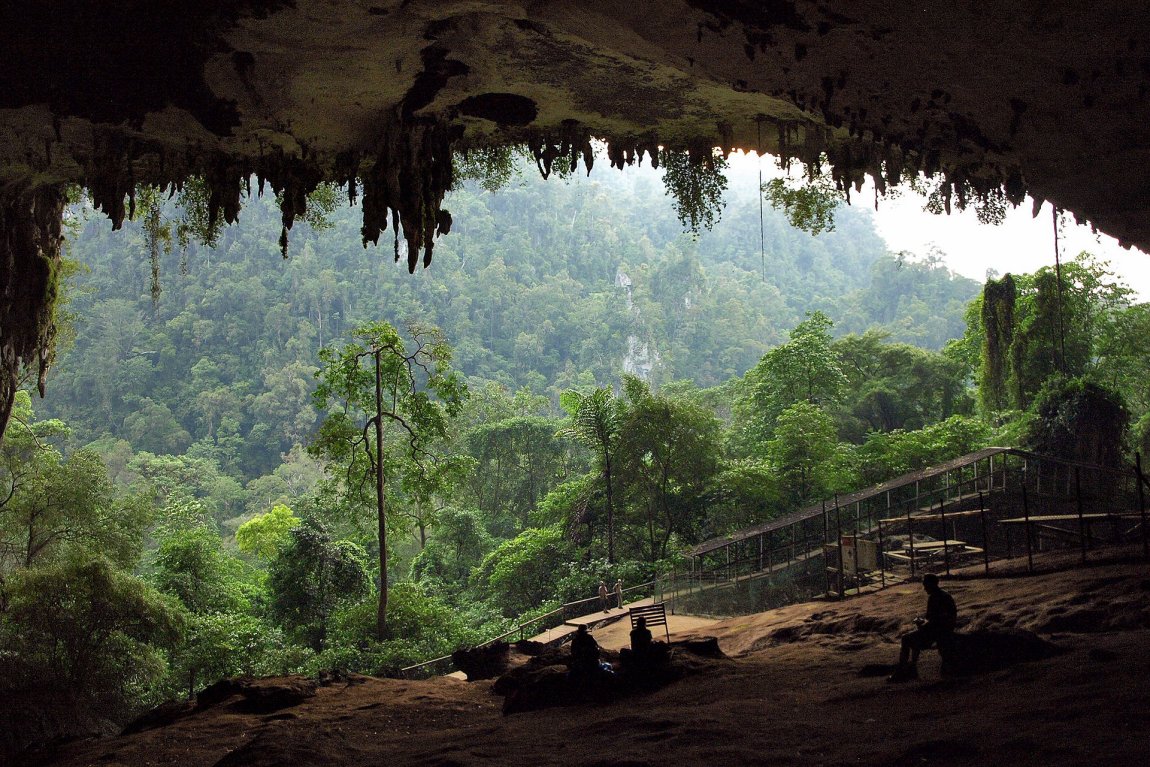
x: 1046, y: 97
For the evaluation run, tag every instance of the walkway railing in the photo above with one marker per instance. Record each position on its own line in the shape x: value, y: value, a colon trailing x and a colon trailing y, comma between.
x: 987, y: 505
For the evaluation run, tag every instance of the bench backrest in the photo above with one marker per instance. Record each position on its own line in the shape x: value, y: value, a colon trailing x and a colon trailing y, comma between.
x: 656, y: 615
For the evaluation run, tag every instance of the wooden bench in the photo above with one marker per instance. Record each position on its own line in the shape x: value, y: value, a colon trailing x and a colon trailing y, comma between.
x: 656, y: 615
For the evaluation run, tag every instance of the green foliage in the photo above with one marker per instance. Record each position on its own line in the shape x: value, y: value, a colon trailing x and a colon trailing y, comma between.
x: 745, y: 492
x: 581, y: 580
x: 802, y: 449
x: 997, y: 322
x: 1037, y: 326
x: 886, y: 455
x: 941, y: 193
x: 192, y: 566
x: 594, y: 420
x: 217, y: 645
x: 524, y: 571
x: 806, y: 369
x: 668, y: 454
x: 313, y: 575
x: 263, y: 535
x: 89, y: 627
x: 517, y: 460
x: 895, y: 386
x: 57, y: 505
x: 423, y: 626
x: 403, y: 402
x: 809, y: 205
x: 696, y: 182
x: 459, y: 542
x: 1079, y: 421
x: 492, y: 167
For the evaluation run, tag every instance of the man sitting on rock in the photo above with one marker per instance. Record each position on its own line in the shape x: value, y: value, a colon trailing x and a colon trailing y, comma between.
x: 584, y: 654
x: 936, y: 628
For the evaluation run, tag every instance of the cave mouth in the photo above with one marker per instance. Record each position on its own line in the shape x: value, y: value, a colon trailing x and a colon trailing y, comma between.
x: 995, y: 102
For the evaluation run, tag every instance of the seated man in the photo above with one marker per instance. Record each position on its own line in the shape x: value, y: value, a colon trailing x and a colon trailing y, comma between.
x: 584, y: 653
x: 936, y: 628
x: 641, y: 638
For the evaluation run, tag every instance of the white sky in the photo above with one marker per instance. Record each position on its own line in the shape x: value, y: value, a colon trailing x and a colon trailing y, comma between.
x: 1021, y: 244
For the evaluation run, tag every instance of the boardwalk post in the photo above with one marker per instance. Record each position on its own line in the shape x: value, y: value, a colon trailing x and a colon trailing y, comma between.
x: 1026, y: 520
x: 985, y: 537
x: 945, y: 545
x: 1082, y: 538
x: 1142, y: 504
x: 826, y: 542
x: 839, y: 535
x: 858, y: 531
x: 881, y: 551
x: 910, y: 531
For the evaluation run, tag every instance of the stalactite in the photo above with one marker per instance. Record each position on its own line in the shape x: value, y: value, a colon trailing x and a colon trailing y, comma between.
x: 29, y: 266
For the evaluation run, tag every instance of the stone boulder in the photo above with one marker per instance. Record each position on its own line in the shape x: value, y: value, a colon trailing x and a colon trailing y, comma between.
x: 258, y: 696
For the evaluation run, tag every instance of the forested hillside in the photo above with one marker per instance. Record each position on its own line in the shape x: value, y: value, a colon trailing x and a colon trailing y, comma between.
x: 543, y: 285
x: 274, y: 465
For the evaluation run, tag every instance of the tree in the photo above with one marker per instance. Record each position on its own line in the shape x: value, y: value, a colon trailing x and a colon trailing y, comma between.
x: 518, y: 460
x: 809, y: 205
x: 593, y: 420
x: 61, y: 504
x: 695, y: 180
x: 385, y: 390
x: 804, y: 443
x: 90, y: 627
x: 1049, y: 323
x: 262, y: 536
x: 522, y: 573
x: 669, y: 453
x: 191, y: 565
x: 1079, y: 421
x: 311, y: 576
x: 805, y: 369
x: 458, y: 543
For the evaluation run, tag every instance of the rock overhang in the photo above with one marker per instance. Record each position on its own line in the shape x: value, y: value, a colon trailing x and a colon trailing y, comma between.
x: 998, y: 98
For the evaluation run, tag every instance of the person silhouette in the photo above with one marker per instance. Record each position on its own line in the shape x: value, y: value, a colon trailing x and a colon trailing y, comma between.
x: 603, y: 596
x: 935, y: 628
x: 584, y: 653
x: 619, y: 593
x: 640, y: 638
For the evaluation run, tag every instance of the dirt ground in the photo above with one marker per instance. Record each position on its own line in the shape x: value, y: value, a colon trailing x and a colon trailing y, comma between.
x: 791, y: 694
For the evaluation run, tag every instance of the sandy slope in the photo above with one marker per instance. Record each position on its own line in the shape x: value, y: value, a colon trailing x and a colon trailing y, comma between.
x: 790, y: 695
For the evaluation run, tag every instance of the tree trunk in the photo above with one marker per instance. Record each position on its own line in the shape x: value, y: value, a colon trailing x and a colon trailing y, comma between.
x: 610, y: 507
x: 380, y: 502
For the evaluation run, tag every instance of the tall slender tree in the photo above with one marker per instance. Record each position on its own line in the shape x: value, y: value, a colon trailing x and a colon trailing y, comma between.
x: 388, y: 392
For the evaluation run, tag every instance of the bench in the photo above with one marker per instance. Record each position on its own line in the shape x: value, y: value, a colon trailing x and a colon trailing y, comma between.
x: 656, y: 615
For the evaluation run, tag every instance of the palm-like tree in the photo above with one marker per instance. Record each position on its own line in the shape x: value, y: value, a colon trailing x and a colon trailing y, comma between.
x: 594, y: 420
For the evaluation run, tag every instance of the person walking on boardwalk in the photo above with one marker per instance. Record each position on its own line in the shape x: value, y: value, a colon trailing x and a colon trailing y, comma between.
x: 935, y: 628
x: 603, y: 596
x: 619, y: 592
